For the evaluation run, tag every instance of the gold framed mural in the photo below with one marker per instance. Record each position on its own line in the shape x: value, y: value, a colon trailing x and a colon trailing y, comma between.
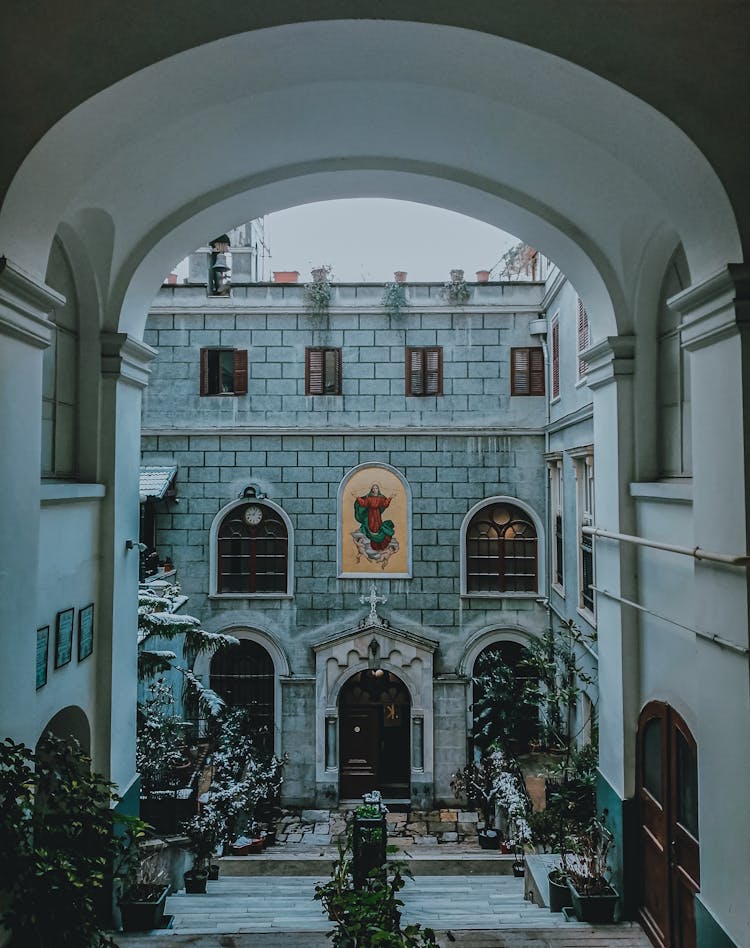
x: 374, y: 523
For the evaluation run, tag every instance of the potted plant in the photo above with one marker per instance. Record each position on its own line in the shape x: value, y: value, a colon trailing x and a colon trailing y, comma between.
x: 203, y: 832
x: 494, y: 785
x: 457, y: 290
x: 318, y: 294
x: 594, y: 898
x: 144, y: 897
x: 559, y: 890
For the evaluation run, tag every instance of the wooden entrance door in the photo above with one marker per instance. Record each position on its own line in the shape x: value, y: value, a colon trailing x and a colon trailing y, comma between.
x: 359, y: 736
x: 667, y: 792
x: 374, y: 725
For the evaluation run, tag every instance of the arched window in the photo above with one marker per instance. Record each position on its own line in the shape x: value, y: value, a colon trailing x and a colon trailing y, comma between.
x: 244, y: 677
x: 501, y: 550
x: 253, y: 551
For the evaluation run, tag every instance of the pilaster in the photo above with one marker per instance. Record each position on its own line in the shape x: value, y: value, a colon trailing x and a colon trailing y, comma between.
x: 25, y: 331
x: 715, y: 330
x: 124, y: 373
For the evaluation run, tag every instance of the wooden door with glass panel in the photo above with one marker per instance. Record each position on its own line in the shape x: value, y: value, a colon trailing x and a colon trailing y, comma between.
x: 667, y: 793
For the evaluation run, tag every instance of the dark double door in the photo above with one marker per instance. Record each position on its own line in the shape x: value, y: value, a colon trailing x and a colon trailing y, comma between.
x: 667, y: 792
x: 374, y: 723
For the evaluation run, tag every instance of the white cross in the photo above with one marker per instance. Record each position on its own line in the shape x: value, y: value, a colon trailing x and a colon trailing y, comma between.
x: 373, y: 599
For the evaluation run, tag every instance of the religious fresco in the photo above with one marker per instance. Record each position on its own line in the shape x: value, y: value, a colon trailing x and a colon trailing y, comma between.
x: 374, y: 523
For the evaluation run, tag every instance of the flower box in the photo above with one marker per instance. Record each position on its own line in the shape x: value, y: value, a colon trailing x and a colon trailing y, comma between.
x: 596, y: 909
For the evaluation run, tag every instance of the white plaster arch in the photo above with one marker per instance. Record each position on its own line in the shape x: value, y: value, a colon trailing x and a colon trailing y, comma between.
x: 541, y: 551
x: 340, y: 499
x: 202, y: 668
x: 601, y: 186
x: 213, y: 558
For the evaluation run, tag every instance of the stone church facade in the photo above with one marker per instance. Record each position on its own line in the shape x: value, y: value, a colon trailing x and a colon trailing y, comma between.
x: 353, y: 635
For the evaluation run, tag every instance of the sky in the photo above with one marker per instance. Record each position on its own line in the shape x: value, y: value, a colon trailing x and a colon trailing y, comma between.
x: 367, y: 239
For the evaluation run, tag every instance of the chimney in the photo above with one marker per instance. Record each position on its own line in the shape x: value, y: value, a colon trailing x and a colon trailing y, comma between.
x: 285, y: 276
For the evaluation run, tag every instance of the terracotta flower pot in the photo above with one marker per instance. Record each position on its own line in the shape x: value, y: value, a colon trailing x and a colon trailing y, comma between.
x: 400, y: 276
x: 483, y: 276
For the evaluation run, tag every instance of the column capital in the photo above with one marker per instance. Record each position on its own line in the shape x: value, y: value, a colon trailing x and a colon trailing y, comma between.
x: 25, y: 305
x: 715, y: 309
x: 125, y: 358
x: 609, y: 358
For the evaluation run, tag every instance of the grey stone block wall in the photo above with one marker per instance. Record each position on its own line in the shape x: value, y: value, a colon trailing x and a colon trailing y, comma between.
x: 472, y: 443
x: 448, y: 475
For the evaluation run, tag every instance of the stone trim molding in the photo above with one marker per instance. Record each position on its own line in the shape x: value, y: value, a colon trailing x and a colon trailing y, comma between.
x: 541, y: 549
x: 716, y: 309
x: 609, y: 358
x: 489, y: 636
x: 202, y: 668
x: 327, y: 431
x: 126, y: 359
x: 213, y: 559
x: 25, y: 305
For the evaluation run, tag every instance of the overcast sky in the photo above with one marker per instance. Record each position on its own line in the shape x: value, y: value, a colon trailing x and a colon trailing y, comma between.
x: 368, y: 239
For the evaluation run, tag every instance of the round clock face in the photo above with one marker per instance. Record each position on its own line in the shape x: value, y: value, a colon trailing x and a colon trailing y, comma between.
x: 253, y: 516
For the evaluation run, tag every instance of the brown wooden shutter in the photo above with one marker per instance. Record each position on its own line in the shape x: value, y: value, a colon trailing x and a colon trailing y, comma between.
x: 240, y: 371
x: 583, y: 337
x: 555, y: 359
x: 433, y: 366
x: 339, y: 382
x: 204, y: 371
x: 519, y: 372
x: 314, y: 369
x: 536, y: 371
x: 414, y: 372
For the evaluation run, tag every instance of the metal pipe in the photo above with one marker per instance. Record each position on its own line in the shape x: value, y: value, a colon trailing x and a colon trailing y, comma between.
x: 696, y: 552
x: 708, y: 636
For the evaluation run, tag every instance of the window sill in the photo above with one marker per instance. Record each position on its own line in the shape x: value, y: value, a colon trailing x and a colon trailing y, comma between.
x: 555, y: 400
x: 64, y: 493
x: 587, y: 615
x: 499, y: 595
x: 560, y: 590
x: 218, y: 597
x: 677, y: 492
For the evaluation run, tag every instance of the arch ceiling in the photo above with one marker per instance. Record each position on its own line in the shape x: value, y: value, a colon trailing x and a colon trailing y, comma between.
x: 150, y: 167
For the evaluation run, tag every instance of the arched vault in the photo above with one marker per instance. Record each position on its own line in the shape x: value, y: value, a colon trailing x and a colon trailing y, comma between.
x: 264, y: 120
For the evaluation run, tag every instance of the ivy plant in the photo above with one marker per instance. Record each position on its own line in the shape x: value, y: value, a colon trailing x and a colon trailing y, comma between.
x: 394, y: 299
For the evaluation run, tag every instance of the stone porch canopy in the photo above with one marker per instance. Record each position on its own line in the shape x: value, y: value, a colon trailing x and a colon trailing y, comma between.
x: 374, y: 644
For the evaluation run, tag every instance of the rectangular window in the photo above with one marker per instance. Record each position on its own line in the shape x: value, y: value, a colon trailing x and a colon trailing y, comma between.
x: 223, y: 371
x: 322, y: 371
x: 555, y: 358
x: 556, y: 510
x: 424, y: 370
x: 583, y: 338
x: 584, y: 467
x: 527, y: 371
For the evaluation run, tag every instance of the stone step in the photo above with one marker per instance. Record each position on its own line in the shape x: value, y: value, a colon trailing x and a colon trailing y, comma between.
x: 318, y: 864
x: 239, y: 912
x: 597, y: 937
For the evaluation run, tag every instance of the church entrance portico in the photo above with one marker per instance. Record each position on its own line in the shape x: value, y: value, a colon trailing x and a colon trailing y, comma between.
x: 374, y: 713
